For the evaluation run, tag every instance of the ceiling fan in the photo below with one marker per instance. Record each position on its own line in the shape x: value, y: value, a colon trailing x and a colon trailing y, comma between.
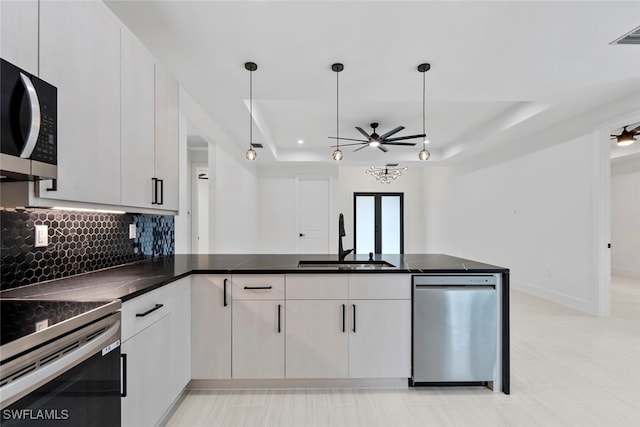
x: 380, y: 141
x: 626, y: 137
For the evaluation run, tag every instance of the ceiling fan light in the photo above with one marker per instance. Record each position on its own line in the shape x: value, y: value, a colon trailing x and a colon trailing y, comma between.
x: 374, y: 143
x: 625, y: 141
x: 424, y: 155
x: 251, y: 154
x: 337, y: 155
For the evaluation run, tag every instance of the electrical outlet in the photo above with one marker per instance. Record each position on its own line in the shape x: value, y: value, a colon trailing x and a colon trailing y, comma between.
x: 42, y: 325
x: 42, y: 236
x: 132, y: 231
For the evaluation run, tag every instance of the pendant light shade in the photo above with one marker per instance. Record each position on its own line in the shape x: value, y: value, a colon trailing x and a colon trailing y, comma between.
x: 251, y: 67
x: 337, y: 154
x: 424, y: 154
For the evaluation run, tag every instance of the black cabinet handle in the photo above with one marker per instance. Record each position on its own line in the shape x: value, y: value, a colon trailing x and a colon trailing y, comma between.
x: 151, y: 310
x: 224, y: 292
x: 301, y: 234
x: 123, y: 356
x: 161, y: 181
x: 258, y: 287
x: 279, y: 318
x: 344, y: 315
x: 54, y: 185
x: 354, y: 317
x: 154, y: 198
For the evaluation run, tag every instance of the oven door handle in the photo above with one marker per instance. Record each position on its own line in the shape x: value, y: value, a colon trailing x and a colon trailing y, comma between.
x: 20, y: 387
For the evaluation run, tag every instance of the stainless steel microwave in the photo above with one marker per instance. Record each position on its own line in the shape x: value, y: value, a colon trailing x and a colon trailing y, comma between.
x: 28, y: 124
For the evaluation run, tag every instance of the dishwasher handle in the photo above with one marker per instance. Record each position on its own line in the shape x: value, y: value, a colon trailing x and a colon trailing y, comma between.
x: 455, y: 287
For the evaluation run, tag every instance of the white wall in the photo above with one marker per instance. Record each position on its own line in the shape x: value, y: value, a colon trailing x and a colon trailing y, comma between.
x: 625, y: 217
x: 532, y: 214
x: 182, y: 221
x: 233, y: 203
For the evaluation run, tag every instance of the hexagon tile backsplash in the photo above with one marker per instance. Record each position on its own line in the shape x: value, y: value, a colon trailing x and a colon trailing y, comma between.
x: 79, y: 242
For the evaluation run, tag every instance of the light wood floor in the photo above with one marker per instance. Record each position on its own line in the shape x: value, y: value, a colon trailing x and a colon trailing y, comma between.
x: 568, y: 369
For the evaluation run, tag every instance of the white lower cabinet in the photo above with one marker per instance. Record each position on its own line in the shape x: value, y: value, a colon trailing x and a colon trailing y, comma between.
x: 380, y: 339
x: 210, y: 327
x: 146, y: 364
x: 317, y: 339
x: 258, y: 339
x: 156, y: 342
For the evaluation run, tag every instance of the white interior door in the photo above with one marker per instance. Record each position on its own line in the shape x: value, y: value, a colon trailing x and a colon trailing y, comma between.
x: 312, y: 215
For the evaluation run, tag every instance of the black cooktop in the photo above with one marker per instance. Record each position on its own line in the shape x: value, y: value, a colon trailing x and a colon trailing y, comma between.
x: 18, y: 318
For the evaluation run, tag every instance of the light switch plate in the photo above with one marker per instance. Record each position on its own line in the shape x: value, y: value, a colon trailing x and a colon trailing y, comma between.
x: 42, y: 236
x: 132, y: 231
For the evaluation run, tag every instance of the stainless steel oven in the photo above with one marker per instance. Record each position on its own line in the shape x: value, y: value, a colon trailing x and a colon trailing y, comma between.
x: 65, y: 374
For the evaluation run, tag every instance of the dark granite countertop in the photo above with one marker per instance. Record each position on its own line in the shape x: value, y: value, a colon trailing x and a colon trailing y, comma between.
x: 131, y: 280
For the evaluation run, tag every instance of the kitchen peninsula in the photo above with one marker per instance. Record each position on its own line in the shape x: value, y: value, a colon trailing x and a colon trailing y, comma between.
x: 293, y: 317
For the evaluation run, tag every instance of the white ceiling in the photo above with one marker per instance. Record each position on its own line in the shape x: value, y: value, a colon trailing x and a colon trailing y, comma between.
x: 498, y: 68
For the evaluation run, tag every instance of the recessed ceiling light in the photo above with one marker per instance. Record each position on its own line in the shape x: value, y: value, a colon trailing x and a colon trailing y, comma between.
x: 300, y: 141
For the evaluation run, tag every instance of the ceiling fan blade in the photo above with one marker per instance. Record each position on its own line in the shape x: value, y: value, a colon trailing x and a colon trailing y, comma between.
x: 400, y: 138
x: 366, y: 135
x: 364, y: 146
x: 380, y: 147
x: 355, y: 143
x: 399, y: 143
x: 391, y: 132
x: 635, y: 130
x: 349, y: 139
x: 614, y: 136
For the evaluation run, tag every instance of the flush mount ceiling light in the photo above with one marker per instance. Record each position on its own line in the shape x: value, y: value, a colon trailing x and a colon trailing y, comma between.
x: 386, y: 174
x: 424, y: 154
x: 337, y: 154
x: 626, y: 137
x: 251, y: 67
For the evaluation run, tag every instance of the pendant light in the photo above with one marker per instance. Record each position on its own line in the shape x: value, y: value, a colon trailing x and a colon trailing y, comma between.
x: 424, y: 154
x: 251, y: 67
x: 337, y: 155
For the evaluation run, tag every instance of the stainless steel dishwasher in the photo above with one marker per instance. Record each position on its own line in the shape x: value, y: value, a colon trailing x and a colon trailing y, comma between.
x: 454, y: 328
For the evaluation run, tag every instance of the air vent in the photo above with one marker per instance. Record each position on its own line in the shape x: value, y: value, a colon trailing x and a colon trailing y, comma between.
x: 254, y: 145
x: 632, y: 37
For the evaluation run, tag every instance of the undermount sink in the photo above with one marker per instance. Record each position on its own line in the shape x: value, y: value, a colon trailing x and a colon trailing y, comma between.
x: 347, y: 265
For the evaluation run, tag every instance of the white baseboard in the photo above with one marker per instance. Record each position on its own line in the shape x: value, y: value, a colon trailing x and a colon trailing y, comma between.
x: 585, y: 306
x: 294, y: 383
x: 625, y: 271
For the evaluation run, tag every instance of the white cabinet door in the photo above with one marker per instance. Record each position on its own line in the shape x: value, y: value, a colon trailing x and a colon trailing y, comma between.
x: 19, y: 34
x: 380, y: 339
x: 258, y: 339
x: 211, y: 327
x: 80, y: 55
x: 179, y: 341
x: 137, y: 121
x: 147, y: 365
x: 317, y: 340
x: 166, y: 137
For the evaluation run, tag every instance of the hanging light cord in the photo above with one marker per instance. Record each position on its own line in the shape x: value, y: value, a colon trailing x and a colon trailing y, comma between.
x: 250, y: 109
x: 337, y: 110
x: 423, y: 109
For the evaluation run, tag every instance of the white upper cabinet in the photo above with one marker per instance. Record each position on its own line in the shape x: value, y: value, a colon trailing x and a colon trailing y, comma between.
x: 137, y: 122
x: 80, y: 55
x: 166, y: 139
x: 19, y: 34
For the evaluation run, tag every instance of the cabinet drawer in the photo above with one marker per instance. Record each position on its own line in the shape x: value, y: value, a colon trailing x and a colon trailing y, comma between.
x: 143, y: 311
x: 379, y: 286
x: 328, y: 286
x: 258, y: 287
